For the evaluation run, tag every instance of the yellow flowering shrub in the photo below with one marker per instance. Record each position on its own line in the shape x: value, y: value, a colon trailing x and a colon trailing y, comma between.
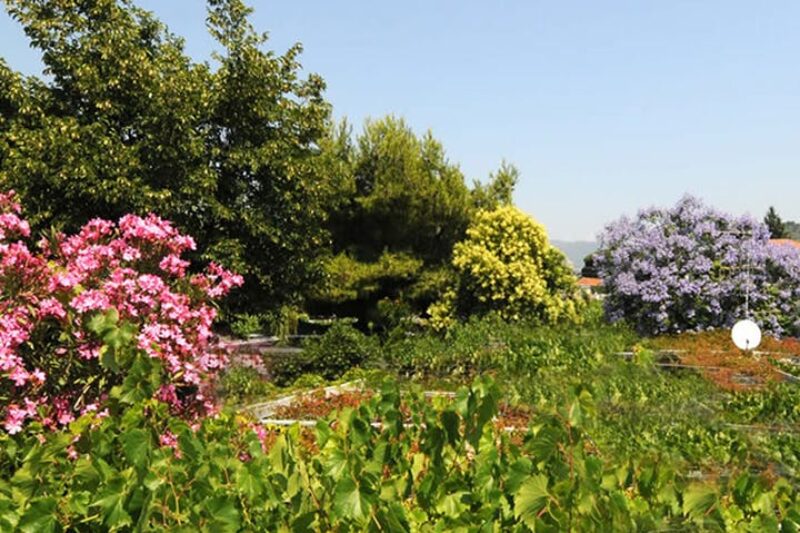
x: 507, y: 265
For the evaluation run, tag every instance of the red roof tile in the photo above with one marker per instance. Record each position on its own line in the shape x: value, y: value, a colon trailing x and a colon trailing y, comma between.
x: 590, y: 282
x: 785, y: 242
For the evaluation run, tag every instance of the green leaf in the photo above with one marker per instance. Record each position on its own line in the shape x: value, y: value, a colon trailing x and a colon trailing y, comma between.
x: 40, y: 517
x: 8, y: 515
x: 223, y: 514
x: 531, y: 498
x: 111, y: 502
x: 698, y: 500
x: 452, y: 505
x: 136, y: 445
x: 249, y: 484
x: 152, y: 481
x: 450, y: 422
x: 349, y: 501
x: 78, y: 502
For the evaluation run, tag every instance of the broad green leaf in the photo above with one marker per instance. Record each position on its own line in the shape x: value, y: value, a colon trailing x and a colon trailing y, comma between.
x: 223, y: 514
x: 40, y: 517
x: 349, y: 501
x: 136, y: 445
x: 531, y: 498
x: 698, y: 499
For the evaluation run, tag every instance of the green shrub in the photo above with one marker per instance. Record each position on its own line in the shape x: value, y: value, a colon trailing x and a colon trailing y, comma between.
x: 341, y: 348
x: 239, y: 384
x: 449, y: 468
x: 246, y: 324
x: 493, y: 344
x: 506, y: 265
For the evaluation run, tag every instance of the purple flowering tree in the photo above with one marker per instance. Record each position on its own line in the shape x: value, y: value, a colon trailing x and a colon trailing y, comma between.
x: 692, y: 268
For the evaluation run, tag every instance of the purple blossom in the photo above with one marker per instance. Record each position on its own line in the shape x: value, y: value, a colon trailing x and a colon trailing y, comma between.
x: 690, y: 268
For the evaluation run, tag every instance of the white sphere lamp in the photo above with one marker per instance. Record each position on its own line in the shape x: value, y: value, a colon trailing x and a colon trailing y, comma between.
x: 746, y: 335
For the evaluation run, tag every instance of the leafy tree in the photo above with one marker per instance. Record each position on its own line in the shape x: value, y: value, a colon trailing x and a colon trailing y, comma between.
x: 408, y: 196
x: 400, y: 203
x: 589, y: 269
x: 792, y: 230
x: 777, y: 229
x: 125, y: 122
x: 499, y: 190
x: 506, y: 265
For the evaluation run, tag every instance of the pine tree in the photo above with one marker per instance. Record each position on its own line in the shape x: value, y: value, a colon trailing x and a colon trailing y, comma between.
x: 777, y: 229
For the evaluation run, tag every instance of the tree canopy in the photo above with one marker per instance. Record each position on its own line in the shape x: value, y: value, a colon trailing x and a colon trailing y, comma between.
x: 125, y: 121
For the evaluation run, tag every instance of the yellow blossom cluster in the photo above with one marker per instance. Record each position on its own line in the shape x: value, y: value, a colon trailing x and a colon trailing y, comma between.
x: 507, y: 265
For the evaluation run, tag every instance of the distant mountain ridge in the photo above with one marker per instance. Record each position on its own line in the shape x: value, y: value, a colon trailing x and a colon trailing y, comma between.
x: 576, y: 251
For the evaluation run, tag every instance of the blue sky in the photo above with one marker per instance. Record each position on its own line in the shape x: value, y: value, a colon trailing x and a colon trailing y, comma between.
x: 605, y: 107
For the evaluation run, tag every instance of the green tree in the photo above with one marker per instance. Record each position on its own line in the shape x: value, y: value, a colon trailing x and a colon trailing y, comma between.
x: 499, y: 190
x: 777, y: 229
x: 125, y: 122
x: 401, y: 205
x: 408, y: 196
x: 589, y: 269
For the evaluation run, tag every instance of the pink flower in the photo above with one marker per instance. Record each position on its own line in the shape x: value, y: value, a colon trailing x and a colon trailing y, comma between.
x: 91, y: 300
x: 38, y: 377
x: 104, y: 266
x: 19, y: 376
x: 51, y: 307
x: 14, y: 418
x: 174, y: 265
x: 89, y: 351
x: 169, y: 440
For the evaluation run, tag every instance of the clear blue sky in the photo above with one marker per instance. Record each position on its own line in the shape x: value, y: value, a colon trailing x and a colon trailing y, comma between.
x: 605, y: 107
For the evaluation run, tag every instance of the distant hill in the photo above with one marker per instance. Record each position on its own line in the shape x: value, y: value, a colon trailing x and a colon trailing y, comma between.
x: 576, y: 251
x: 793, y: 230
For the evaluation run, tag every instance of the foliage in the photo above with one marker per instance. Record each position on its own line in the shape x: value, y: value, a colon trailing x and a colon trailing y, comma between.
x: 499, y: 191
x: 507, y: 265
x: 349, y: 279
x: 408, y: 196
x: 490, y: 344
x: 341, y: 348
x: 401, y: 207
x: 126, y: 122
x: 777, y: 229
x: 374, y: 467
x: 693, y: 268
x: 75, y: 311
x: 245, y: 324
x: 792, y: 230
x: 589, y: 269
x: 239, y: 383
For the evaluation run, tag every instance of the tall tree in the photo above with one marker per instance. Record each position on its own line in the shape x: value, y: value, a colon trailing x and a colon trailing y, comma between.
x: 125, y: 122
x: 777, y: 229
x: 402, y: 206
x: 408, y: 196
x: 499, y: 190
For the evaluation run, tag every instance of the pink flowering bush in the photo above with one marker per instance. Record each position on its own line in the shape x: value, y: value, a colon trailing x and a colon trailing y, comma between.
x: 77, y: 313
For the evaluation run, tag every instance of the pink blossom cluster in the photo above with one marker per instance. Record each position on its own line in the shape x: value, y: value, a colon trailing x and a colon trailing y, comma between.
x: 134, y: 267
x: 169, y: 440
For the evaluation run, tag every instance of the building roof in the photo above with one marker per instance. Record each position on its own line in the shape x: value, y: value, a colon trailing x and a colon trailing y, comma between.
x: 786, y: 242
x: 590, y: 282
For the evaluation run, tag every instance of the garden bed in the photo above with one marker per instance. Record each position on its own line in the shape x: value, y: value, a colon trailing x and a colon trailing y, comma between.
x: 716, y: 358
x: 307, y: 407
